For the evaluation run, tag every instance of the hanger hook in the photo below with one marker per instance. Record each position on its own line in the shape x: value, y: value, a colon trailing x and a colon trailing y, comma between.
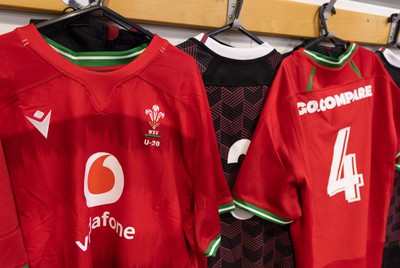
x: 236, y: 24
x: 239, y: 5
x: 394, y: 28
x: 96, y: 2
x: 323, y: 16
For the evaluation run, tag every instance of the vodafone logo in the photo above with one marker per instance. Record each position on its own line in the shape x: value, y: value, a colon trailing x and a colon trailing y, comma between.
x: 104, y: 180
x: 104, y: 183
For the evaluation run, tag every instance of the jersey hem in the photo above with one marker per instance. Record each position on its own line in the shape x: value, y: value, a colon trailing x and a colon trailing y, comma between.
x: 226, y: 208
x: 266, y: 215
x: 211, y: 250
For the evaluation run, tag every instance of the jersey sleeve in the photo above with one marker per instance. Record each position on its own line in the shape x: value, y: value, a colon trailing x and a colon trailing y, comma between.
x: 211, y: 194
x: 271, y: 175
x: 396, y: 115
x: 12, y: 249
x: 207, y: 202
x: 211, y: 157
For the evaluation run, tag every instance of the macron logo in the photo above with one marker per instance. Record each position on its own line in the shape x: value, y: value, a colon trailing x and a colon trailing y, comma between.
x: 41, y: 122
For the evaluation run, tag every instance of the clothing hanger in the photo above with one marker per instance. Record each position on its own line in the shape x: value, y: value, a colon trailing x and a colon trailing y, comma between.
x: 324, y: 12
x: 97, y: 5
x: 394, y: 30
x: 235, y: 25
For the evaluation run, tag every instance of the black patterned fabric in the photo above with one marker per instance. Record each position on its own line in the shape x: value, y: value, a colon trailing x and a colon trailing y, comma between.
x: 236, y: 91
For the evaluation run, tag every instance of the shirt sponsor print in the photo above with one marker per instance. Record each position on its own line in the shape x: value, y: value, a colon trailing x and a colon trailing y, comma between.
x: 104, y: 184
x: 332, y: 102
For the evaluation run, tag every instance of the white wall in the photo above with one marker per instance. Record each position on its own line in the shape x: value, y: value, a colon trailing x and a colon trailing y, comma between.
x: 11, y: 19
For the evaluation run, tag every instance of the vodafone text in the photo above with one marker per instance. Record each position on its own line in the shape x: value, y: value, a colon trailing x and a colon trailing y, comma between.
x: 103, y: 221
x: 337, y: 100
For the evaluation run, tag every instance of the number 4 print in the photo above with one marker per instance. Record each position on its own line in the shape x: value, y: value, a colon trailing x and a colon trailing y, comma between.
x: 344, y: 176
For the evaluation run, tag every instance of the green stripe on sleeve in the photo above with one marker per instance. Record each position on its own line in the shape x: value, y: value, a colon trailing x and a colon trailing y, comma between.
x: 226, y: 208
x: 354, y: 67
x: 310, y: 82
x: 260, y: 212
x: 213, y: 247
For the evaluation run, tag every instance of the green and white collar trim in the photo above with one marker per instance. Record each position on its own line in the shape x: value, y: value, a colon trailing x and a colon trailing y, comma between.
x: 329, y: 61
x: 97, y: 58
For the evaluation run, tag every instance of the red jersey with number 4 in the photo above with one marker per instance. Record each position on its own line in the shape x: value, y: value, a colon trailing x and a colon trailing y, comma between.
x: 105, y: 169
x: 323, y: 155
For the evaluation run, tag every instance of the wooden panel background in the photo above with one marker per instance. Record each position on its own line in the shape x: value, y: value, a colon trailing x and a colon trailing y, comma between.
x: 268, y: 17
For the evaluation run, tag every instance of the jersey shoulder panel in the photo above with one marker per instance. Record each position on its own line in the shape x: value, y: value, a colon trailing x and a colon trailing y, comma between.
x: 391, y: 62
x: 196, y: 50
x: 369, y: 63
x: 20, y: 67
x: 176, y: 74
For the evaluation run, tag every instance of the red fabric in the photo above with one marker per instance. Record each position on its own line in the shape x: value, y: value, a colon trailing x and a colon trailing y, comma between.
x: 112, y: 32
x: 13, y: 253
x: 290, y: 161
x: 109, y: 183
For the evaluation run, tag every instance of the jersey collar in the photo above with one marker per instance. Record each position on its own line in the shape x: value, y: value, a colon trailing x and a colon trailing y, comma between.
x: 390, y: 57
x: 330, y: 61
x: 97, y: 58
x: 234, y: 53
x: 31, y: 38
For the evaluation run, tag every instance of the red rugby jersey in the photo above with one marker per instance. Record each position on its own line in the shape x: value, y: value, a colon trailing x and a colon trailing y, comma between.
x: 323, y: 155
x: 106, y: 169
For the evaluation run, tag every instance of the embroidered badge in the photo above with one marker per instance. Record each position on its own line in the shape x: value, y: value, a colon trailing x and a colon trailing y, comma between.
x: 153, y: 135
